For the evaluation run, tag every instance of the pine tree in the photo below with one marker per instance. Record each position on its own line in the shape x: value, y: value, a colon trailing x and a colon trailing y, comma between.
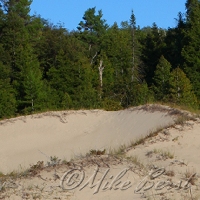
x: 18, y: 34
x: 135, y: 47
x: 118, y: 71
x: 92, y: 31
x: 33, y: 85
x: 133, y: 28
x: 191, y: 48
x: 7, y: 93
x: 161, y: 79
x: 15, y: 35
x: 181, y: 91
x: 174, y: 42
x: 140, y: 94
x: 153, y: 46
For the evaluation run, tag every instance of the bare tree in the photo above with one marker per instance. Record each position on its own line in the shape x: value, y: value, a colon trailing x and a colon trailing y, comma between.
x: 101, y: 68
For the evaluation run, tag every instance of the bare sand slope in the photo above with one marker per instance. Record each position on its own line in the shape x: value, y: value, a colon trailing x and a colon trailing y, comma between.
x: 29, y: 139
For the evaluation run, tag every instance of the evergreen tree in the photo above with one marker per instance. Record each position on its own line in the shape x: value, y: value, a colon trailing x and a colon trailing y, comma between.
x: 135, y: 47
x: 181, y: 89
x: 191, y: 50
x: 53, y: 39
x: 174, y: 42
x: 133, y: 28
x: 161, y: 80
x: 7, y: 94
x: 18, y: 34
x: 33, y: 85
x: 15, y: 35
x: 152, y: 50
x: 119, y: 63
x: 92, y: 31
x: 140, y: 94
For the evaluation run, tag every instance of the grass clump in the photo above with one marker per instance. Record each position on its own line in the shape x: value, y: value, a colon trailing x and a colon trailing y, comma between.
x: 164, y: 154
x: 190, y: 176
x: 135, y: 160
x: 119, y: 151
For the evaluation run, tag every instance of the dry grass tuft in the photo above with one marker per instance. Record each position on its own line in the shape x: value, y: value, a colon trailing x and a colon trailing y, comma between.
x: 190, y: 176
x: 170, y: 173
x: 164, y: 154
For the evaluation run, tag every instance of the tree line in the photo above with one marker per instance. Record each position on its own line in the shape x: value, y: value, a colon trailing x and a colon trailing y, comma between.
x: 46, y: 67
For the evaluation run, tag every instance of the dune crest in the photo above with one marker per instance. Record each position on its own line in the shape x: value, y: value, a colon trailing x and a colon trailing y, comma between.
x: 66, y: 134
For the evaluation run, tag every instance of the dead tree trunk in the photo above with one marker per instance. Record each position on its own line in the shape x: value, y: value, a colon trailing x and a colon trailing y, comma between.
x: 32, y: 105
x: 101, y: 68
x: 93, y: 58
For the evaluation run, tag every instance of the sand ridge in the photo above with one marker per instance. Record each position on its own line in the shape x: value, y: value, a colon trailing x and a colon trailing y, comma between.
x: 26, y: 140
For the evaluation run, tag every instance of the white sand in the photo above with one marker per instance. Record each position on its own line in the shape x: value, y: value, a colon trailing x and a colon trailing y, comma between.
x: 67, y: 134
x: 26, y: 140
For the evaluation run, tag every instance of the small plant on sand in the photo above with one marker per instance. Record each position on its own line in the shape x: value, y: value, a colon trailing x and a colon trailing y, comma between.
x: 136, y: 161
x: 190, y: 176
x: 119, y: 151
x: 182, y: 119
x: 97, y: 152
x: 54, y: 160
x: 137, y: 142
x: 169, y: 173
x: 65, y: 162
x: 164, y: 154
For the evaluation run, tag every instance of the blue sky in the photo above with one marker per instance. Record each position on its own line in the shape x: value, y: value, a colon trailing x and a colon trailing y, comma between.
x: 70, y: 12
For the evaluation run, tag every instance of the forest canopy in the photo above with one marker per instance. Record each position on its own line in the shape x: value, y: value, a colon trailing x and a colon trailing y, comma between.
x: 45, y: 67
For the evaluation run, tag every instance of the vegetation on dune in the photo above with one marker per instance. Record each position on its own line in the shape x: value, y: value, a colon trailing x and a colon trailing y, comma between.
x: 46, y: 67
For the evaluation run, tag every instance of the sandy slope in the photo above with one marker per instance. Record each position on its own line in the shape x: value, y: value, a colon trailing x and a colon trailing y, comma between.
x: 26, y: 140
x: 174, y: 153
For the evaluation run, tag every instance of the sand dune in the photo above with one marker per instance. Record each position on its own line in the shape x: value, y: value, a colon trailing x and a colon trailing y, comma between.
x: 173, y: 153
x: 26, y: 140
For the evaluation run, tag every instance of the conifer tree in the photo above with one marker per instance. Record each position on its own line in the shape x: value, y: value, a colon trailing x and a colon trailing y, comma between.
x: 191, y: 49
x: 7, y: 93
x: 15, y: 35
x: 181, y: 91
x: 133, y: 28
x: 175, y: 41
x: 17, y: 38
x: 92, y: 31
x: 152, y: 50
x: 161, y: 79
x: 136, y: 71
x: 33, y: 85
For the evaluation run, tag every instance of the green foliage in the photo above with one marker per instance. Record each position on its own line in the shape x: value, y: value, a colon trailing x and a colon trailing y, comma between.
x: 66, y: 101
x: 175, y: 42
x: 44, y: 66
x: 32, y: 86
x: 92, y: 33
x: 181, y: 89
x: 190, y: 51
x: 7, y: 94
x: 135, y: 47
x: 153, y: 46
x: 161, y: 80
x: 92, y: 24
x: 15, y: 34
x: 92, y: 30
x: 111, y: 105
x: 140, y: 94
